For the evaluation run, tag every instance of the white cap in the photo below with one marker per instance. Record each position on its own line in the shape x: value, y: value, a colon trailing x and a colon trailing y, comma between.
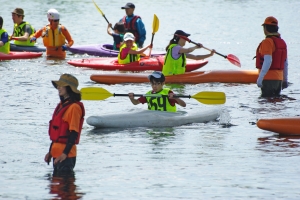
x: 53, y: 14
x: 156, y: 74
x: 129, y: 36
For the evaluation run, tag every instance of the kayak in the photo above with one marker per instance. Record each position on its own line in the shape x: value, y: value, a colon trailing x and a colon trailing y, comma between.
x: 102, y: 50
x: 283, y: 126
x: 153, y: 63
x: 151, y: 118
x: 221, y: 76
x: 14, y: 47
x: 20, y: 55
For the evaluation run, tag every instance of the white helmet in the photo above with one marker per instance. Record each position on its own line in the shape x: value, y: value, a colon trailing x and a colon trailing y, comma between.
x: 53, y: 14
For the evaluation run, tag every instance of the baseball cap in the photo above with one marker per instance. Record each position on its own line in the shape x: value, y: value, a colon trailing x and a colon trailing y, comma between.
x: 128, y: 5
x: 180, y: 32
x: 18, y: 11
x: 129, y: 36
x: 270, y: 21
x: 156, y: 74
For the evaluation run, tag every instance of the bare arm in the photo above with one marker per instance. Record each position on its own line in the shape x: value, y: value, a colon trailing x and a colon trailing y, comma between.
x: 108, y: 29
x: 200, y: 57
x: 178, y: 100
x: 133, y: 100
x: 140, y: 50
x: 22, y: 38
x: 188, y: 50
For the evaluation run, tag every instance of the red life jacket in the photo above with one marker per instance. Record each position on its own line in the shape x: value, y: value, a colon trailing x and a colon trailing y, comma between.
x: 130, y: 27
x: 59, y: 129
x: 279, y: 56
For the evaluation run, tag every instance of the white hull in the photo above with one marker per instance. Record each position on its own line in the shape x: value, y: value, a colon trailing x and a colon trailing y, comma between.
x: 148, y: 118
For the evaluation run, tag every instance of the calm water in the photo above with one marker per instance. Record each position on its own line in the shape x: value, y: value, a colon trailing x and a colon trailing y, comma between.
x: 198, y: 161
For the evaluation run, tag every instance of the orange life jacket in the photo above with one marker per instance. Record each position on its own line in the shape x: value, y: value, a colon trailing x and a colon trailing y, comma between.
x: 59, y: 129
x: 279, y: 56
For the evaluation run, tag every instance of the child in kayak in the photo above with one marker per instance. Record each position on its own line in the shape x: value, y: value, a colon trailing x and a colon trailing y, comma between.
x: 175, y: 59
x: 118, y: 34
x: 129, y: 51
x: 166, y: 102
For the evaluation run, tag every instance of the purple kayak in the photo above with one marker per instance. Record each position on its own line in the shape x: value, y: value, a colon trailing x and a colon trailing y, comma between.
x: 103, y: 50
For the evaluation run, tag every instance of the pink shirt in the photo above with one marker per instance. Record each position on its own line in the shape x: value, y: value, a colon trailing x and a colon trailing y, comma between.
x: 124, y: 53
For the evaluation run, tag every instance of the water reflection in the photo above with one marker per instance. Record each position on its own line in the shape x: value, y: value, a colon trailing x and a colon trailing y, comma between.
x: 62, y: 186
x: 278, y: 143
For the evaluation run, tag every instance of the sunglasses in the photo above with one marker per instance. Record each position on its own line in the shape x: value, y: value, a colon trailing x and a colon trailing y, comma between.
x: 56, y: 20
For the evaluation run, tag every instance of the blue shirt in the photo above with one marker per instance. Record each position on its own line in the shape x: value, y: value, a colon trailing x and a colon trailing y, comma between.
x: 4, y: 37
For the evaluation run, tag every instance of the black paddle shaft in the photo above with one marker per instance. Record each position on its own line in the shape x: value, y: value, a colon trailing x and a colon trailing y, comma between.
x: 139, y: 95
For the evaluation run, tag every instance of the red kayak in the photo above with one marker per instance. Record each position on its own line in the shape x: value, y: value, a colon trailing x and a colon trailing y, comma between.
x: 20, y: 55
x: 153, y: 63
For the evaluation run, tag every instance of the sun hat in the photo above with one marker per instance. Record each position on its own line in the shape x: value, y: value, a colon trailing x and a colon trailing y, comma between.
x: 180, y: 32
x: 18, y: 11
x: 128, y: 5
x: 129, y: 36
x: 270, y: 21
x: 67, y: 80
x: 156, y: 74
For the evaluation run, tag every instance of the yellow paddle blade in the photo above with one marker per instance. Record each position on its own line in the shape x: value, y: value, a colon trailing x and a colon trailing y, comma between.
x: 98, y: 8
x: 210, y: 97
x: 93, y: 93
x: 155, y: 24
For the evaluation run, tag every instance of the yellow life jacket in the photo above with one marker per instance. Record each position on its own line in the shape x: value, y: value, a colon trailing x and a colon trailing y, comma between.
x: 6, y: 47
x: 53, y: 38
x: 174, y: 66
x: 160, y: 103
x: 19, y: 32
x: 130, y: 57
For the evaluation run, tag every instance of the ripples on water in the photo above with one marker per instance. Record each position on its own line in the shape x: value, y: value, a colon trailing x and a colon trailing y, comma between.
x: 225, y: 159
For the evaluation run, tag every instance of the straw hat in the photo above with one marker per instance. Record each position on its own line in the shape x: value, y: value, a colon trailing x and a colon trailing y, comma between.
x: 67, y: 80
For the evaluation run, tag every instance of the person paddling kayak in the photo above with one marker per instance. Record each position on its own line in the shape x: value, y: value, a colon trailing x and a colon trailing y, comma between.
x: 54, y: 36
x: 22, y: 29
x: 129, y: 51
x: 65, y: 126
x: 118, y: 34
x: 166, y: 102
x: 175, y: 59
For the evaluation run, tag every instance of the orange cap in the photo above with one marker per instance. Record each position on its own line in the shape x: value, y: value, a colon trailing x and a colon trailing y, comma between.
x: 271, y: 21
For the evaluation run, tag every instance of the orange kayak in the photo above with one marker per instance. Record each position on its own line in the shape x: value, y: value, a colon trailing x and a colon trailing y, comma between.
x: 222, y: 76
x: 283, y: 126
x: 146, y: 63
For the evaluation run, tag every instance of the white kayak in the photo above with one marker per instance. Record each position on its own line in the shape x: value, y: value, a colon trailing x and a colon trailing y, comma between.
x: 149, y: 118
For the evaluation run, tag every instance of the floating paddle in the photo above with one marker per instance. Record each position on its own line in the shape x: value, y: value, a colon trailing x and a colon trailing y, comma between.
x: 155, y: 26
x: 100, y: 11
x: 205, y: 97
x: 232, y: 58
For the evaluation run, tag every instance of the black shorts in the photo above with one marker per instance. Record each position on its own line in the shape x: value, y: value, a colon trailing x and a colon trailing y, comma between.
x: 271, y: 88
x: 64, y: 167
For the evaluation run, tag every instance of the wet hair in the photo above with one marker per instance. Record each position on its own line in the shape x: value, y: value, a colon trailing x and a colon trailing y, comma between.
x: 120, y: 27
x: 1, y: 22
x: 271, y: 28
x: 174, y: 40
x: 157, y: 80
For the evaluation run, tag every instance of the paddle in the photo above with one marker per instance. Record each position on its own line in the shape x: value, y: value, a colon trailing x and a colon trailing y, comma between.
x: 155, y: 26
x: 231, y: 58
x: 101, y: 12
x: 205, y: 97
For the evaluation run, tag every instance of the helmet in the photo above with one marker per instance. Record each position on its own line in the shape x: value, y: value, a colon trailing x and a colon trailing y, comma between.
x: 53, y: 14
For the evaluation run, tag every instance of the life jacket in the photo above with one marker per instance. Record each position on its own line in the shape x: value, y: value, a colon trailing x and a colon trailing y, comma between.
x: 130, y: 57
x: 174, y: 66
x: 59, y: 129
x: 279, y: 56
x: 160, y: 103
x: 19, y: 31
x: 6, y: 47
x: 130, y: 27
x: 53, y: 38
